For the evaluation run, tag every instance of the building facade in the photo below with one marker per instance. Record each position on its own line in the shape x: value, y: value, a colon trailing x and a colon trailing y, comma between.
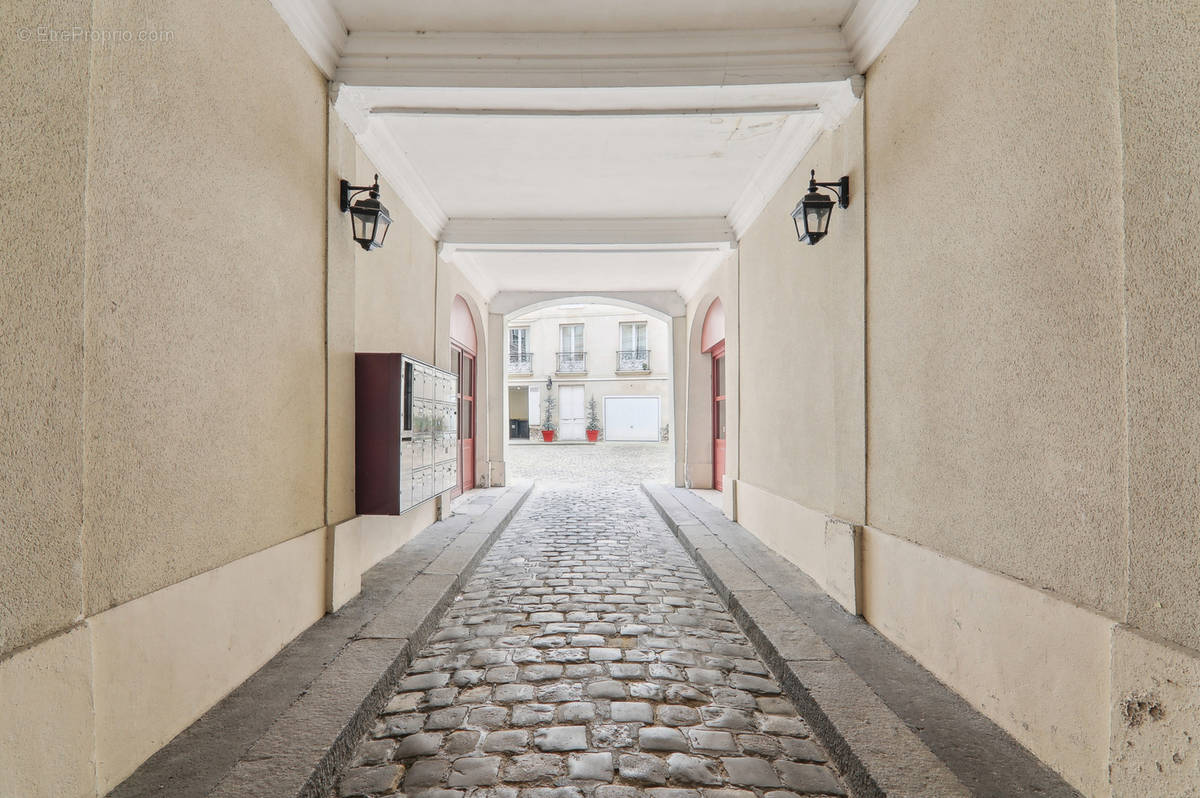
x: 589, y: 357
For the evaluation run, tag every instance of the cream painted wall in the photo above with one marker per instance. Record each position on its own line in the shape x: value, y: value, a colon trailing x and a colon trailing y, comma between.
x: 44, y: 92
x: 722, y: 284
x: 395, y: 287
x: 994, y: 295
x: 1158, y: 45
x: 341, y: 300
x: 802, y: 381
x: 205, y: 330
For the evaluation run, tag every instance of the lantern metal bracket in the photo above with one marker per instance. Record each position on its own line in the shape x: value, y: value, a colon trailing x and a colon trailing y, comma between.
x: 839, y: 187
x: 349, y: 192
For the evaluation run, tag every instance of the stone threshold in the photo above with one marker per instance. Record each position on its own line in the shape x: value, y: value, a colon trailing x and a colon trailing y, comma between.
x: 891, y: 727
x: 288, y: 730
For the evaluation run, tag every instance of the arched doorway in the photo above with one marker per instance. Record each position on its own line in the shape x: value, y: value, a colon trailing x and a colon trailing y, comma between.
x: 712, y: 342
x: 464, y: 348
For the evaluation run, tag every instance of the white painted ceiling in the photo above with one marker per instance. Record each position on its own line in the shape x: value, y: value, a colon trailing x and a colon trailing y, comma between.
x: 583, y: 167
x: 523, y: 133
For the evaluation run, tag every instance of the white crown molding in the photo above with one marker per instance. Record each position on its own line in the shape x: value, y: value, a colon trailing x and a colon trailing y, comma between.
x: 318, y: 27
x: 378, y: 144
x: 871, y: 25
x: 546, y: 60
x: 575, y: 235
x: 796, y: 138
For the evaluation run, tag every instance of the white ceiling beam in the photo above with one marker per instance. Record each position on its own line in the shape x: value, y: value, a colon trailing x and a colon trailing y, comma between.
x: 318, y: 27
x: 584, y: 235
x: 871, y: 25
x: 730, y: 110
x: 550, y: 60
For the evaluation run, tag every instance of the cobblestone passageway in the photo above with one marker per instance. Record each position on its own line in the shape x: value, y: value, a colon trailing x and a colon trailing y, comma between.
x: 588, y: 657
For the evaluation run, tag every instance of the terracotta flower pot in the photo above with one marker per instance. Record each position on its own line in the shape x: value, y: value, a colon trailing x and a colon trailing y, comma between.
x: 593, y: 435
x: 548, y: 435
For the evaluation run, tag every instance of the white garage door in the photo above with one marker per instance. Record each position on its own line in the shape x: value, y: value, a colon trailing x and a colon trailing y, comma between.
x: 631, y: 418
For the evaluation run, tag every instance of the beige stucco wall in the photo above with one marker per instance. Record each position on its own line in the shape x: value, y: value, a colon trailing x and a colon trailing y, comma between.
x: 994, y: 292
x: 44, y: 93
x: 340, y: 326
x: 205, y: 328
x: 1159, y: 49
x: 395, y: 286
x: 802, y: 386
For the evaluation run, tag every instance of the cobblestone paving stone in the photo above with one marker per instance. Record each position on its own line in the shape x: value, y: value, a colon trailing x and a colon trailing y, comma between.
x: 588, y: 657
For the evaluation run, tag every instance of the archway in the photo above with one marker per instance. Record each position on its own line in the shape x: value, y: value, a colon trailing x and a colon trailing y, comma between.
x: 712, y: 343
x: 608, y: 363
x: 464, y: 350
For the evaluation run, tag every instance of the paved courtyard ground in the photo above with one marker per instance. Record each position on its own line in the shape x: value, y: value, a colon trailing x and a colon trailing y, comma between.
x: 588, y: 657
x: 597, y: 464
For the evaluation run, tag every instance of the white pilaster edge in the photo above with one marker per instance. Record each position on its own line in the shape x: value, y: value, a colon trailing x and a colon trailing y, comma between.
x: 683, y: 233
x: 525, y: 60
x: 378, y: 143
x: 318, y: 27
x: 871, y: 25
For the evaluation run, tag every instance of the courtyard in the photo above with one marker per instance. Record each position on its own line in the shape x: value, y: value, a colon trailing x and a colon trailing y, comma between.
x: 601, y: 463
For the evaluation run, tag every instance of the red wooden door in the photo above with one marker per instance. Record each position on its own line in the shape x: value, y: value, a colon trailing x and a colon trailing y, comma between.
x: 463, y: 365
x: 718, y: 394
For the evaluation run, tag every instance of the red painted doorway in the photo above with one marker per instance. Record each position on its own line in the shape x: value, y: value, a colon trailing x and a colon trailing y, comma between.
x: 463, y: 345
x: 718, y: 413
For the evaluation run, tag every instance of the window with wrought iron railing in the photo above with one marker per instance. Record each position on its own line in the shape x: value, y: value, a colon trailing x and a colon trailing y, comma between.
x: 633, y: 360
x: 520, y: 362
x: 572, y: 362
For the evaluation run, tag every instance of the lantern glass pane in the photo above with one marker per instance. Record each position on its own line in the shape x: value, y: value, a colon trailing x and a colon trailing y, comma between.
x: 359, y: 226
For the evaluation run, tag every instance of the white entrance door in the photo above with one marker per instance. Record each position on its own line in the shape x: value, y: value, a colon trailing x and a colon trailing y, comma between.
x: 571, y: 421
x: 631, y: 418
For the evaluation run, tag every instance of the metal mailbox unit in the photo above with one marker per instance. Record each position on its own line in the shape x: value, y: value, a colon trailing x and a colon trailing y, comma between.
x: 406, y: 432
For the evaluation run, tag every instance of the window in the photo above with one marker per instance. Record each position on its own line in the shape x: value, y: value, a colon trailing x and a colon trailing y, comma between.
x: 520, y: 361
x: 633, y: 354
x: 633, y: 336
x: 518, y: 342
x: 571, y: 337
x: 572, y: 359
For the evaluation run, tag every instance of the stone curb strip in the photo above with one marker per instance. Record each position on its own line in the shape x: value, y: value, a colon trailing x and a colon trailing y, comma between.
x: 875, y: 750
x: 314, y: 700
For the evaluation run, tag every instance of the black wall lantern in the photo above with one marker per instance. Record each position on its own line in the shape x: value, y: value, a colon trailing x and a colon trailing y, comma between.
x: 816, y: 208
x: 369, y: 219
